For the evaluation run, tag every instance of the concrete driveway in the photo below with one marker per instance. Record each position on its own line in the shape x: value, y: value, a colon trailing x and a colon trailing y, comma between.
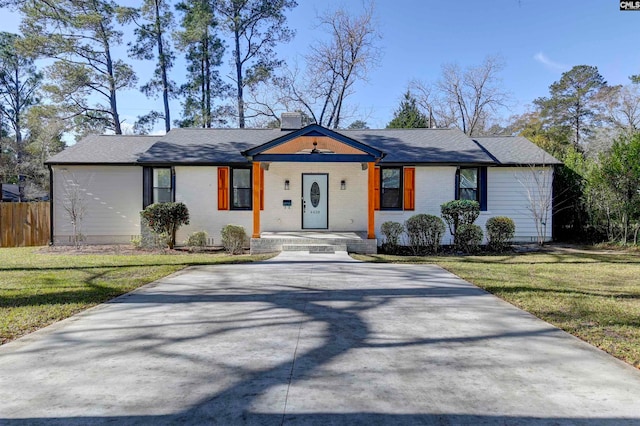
x: 311, y: 339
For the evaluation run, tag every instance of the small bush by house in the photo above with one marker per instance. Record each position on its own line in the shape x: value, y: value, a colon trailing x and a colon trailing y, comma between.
x: 459, y: 212
x: 165, y: 219
x: 234, y: 239
x: 500, y: 230
x: 197, y: 241
x: 392, y: 232
x: 425, y: 233
x: 469, y: 238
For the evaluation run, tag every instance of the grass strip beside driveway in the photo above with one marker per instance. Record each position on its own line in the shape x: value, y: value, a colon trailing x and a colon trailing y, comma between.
x: 38, y: 289
x: 592, y: 295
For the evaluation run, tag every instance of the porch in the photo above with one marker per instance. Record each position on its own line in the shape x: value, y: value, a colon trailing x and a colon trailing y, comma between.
x: 314, y: 241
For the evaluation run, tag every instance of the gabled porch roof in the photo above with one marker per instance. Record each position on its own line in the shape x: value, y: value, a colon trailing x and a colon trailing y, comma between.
x: 314, y: 143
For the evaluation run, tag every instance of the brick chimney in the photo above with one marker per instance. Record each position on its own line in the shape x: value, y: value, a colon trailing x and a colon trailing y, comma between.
x: 291, y: 121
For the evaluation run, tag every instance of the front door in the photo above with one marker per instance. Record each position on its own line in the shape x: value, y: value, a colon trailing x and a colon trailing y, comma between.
x: 315, y: 201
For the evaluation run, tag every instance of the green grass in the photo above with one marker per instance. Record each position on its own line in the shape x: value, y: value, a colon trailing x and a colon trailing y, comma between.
x: 592, y: 295
x: 37, y: 289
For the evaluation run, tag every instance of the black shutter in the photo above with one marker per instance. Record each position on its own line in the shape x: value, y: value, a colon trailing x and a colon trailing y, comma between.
x: 173, y: 184
x: 482, y: 183
x: 147, y: 186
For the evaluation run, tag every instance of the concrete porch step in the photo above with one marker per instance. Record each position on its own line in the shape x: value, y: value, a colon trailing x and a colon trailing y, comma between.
x: 353, y: 242
x: 315, y: 248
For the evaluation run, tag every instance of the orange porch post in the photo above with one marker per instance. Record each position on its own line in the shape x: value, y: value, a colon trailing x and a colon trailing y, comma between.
x: 257, y: 188
x: 371, y: 170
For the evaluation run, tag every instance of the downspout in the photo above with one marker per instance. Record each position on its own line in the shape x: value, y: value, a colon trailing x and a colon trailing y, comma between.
x: 50, y: 204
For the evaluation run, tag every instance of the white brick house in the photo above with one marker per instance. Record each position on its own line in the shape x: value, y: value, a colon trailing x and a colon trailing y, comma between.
x: 294, y: 180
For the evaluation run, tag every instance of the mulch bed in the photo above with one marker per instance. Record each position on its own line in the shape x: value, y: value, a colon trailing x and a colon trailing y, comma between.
x: 120, y: 249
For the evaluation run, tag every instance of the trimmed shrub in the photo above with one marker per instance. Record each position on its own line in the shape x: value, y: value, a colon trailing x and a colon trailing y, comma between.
x: 165, y: 219
x: 469, y: 238
x: 391, y: 231
x: 425, y: 232
x: 197, y: 241
x: 500, y: 229
x: 459, y: 212
x: 234, y: 239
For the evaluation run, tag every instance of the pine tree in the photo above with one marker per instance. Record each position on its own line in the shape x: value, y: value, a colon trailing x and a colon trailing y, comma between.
x: 155, y: 21
x: 408, y: 115
x: 204, y: 49
x: 256, y: 26
x: 79, y: 36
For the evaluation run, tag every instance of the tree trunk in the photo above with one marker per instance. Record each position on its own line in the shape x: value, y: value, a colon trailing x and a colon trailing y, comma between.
x: 163, y: 70
x: 112, y: 84
x: 17, y: 124
x: 207, y: 82
x: 239, y: 79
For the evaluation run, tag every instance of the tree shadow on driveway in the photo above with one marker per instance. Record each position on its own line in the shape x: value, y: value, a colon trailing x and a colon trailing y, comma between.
x: 335, y: 344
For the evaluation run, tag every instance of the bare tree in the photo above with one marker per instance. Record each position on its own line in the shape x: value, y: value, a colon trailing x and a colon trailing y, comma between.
x: 621, y: 106
x: 335, y: 65
x: 74, y: 203
x: 465, y: 98
x: 537, y: 182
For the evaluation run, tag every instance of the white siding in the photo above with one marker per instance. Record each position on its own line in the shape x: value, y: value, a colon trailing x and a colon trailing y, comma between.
x: 113, y: 199
x: 197, y: 188
x: 113, y: 195
x: 507, y: 196
x: 434, y: 186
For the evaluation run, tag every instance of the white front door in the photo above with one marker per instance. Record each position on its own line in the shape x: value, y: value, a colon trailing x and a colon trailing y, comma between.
x: 315, y: 201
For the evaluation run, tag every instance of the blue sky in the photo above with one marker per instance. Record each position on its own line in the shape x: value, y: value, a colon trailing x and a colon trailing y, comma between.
x: 538, y: 40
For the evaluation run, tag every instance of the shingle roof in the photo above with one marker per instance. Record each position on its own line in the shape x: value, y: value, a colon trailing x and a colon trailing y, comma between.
x: 109, y: 149
x: 206, y: 146
x: 515, y: 150
x: 219, y: 146
x: 422, y: 145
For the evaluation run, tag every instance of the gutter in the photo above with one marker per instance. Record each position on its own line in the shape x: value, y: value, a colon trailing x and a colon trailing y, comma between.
x: 50, y: 204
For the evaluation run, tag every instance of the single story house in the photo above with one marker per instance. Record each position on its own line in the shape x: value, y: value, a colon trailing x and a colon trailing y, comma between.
x: 294, y: 180
x: 11, y: 193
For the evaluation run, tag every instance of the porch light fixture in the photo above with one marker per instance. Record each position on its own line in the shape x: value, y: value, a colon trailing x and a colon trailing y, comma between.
x: 343, y: 184
x: 286, y: 185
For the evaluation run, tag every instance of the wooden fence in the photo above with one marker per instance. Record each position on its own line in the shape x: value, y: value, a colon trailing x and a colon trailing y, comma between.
x: 24, y: 224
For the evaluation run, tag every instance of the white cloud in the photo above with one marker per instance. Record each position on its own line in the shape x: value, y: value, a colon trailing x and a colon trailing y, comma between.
x: 548, y: 63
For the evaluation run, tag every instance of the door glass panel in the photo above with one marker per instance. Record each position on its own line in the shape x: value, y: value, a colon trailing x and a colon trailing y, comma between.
x: 315, y: 194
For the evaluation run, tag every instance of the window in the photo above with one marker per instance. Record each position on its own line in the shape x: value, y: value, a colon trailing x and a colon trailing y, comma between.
x: 235, y: 188
x: 241, y: 194
x: 468, y: 184
x: 162, y: 188
x: 472, y: 185
x: 391, y: 188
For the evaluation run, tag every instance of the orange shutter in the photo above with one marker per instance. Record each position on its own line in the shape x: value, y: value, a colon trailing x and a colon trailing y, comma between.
x: 223, y: 188
x: 376, y: 189
x: 261, y: 188
x: 409, y: 188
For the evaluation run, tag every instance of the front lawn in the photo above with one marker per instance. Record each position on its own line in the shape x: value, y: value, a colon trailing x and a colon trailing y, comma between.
x: 592, y: 295
x: 37, y: 289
